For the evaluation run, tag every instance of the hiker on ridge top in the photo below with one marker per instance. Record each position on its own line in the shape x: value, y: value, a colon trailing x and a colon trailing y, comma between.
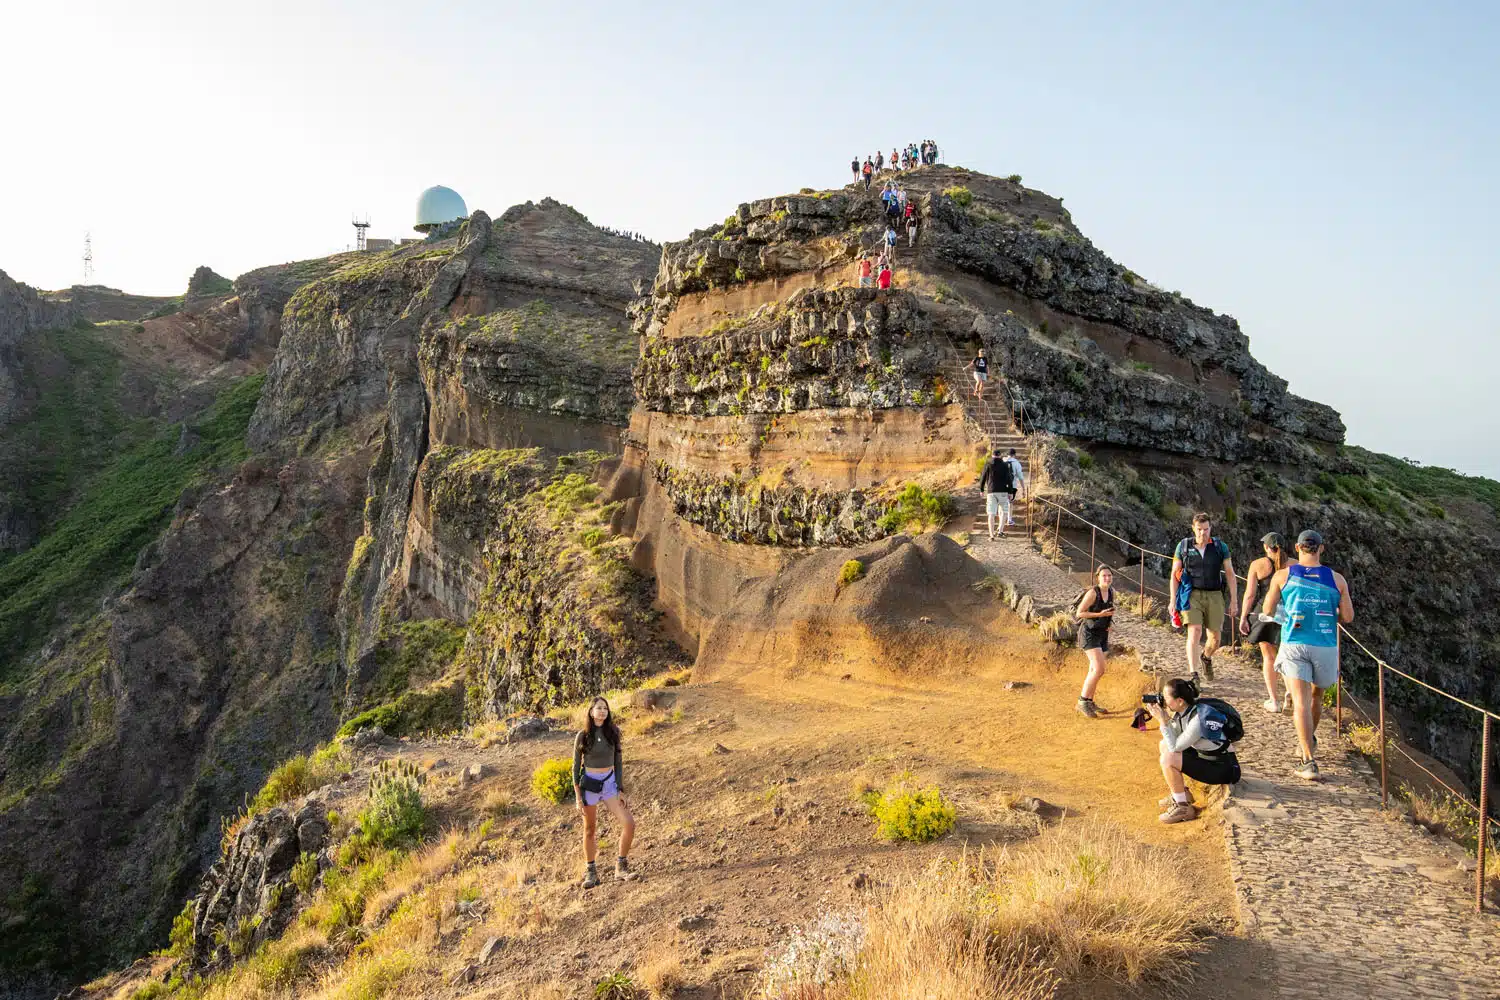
x: 1201, y: 570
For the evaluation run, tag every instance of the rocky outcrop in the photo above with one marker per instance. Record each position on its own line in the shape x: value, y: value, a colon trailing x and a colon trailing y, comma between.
x: 250, y: 895
x: 753, y: 513
x: 23, y: 312
x: 815, y: 350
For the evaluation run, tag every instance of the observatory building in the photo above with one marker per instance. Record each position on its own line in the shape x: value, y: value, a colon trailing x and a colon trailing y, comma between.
x: 438, y: 206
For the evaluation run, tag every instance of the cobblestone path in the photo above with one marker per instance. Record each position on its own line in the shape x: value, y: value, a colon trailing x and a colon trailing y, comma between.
x: 1352, y: 903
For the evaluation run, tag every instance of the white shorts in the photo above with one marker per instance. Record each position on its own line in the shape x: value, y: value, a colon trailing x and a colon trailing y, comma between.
x: 981, y: 377
x: 994, y: 503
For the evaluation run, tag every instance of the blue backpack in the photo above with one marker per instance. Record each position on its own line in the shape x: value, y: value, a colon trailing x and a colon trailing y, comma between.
x: 1221, y: 721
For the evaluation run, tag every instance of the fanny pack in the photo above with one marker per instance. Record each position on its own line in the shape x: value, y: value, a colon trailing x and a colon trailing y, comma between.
x: 589, y: 783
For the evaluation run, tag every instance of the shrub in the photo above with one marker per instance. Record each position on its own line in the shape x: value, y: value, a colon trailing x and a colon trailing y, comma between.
x: 616, y: 986
x: 298, y: 776
x: 553, y: 781
x: 1085, y: 460
x: 280, y: 967
x: 1366, y: 738
x: 904, y: 812
x: 437, y: 709
x: 180, y: 943
x: 917, y: 509
x: 851, y: 571
x: 961, y: 196
x: 305, y: 873
x: 395, y: 816
x: 1014, y: 178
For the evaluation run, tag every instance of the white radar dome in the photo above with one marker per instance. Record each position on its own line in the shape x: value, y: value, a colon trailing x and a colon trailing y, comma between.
x: 438, y: 205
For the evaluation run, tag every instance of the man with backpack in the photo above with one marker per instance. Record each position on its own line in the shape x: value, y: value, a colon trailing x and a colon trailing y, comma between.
x: 995, y: 482
x: 1201, y: 565
x: 1196, y: 742
x: 1314, y: 601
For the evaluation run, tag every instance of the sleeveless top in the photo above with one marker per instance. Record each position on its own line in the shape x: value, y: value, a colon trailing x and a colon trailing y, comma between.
x: 1097, y: 626
x: 1310, y: 604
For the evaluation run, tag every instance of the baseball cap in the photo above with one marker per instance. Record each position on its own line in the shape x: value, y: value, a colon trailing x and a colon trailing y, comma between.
x: 1272, y: 539
x: 1309, y: 538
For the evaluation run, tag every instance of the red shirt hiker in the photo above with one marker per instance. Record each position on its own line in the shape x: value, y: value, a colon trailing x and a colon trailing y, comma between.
x: 885, y: 277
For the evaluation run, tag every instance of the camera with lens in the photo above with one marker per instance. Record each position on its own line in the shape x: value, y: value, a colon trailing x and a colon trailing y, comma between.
x: 1150, y: 699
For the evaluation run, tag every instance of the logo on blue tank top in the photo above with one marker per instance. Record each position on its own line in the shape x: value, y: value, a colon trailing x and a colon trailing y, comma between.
x: 1310, y: 603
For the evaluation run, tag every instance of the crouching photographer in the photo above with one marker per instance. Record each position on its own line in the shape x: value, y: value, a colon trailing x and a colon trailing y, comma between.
x: 1196, y: 741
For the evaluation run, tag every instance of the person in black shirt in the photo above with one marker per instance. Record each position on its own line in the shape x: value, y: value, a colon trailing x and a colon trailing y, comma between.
x: 980, y: 366
x: 997, y: 483
x: 1095, y: 612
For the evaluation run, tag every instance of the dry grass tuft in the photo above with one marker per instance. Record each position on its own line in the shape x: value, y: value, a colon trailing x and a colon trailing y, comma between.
x: 1076, y: 905
x: 498, y: 802
x: 661, y: 973
x: 1059, y: 628
x: 999, y: 586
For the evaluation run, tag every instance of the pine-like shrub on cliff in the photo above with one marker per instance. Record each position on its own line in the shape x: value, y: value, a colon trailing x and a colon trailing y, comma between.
x: 122, y: 508
x: 917, y: 509
x: 850, y: 571
x: 395, y: 816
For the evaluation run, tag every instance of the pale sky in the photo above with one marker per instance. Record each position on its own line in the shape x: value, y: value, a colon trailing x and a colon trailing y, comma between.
x: 1325, y: 172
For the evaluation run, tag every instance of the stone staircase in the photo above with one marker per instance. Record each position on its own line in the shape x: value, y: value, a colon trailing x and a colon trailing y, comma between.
x: 993, y: 415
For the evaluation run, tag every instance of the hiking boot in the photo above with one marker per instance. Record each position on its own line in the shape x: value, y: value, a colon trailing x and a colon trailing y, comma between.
x: 591, y: 877
x: 1308, y: 770
x: 1271, y: 705
x: 1087, y: 708
x: 623, y: 872
x: 1208, y: 669
x: 1180, y: 812
x: 1166, y: 802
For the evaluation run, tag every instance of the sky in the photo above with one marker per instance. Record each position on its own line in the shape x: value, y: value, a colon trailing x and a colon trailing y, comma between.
x: 1323, y: 172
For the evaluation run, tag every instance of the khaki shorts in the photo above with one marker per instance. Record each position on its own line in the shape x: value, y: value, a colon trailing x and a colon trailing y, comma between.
x: 1206, y: 608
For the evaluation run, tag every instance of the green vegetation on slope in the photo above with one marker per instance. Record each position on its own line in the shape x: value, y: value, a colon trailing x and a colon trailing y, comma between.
x: 74, y: 422
x: 1428, y: 482
x: 95, y: 542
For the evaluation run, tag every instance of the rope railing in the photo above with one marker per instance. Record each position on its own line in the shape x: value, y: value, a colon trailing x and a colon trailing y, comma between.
x: 1382, y: 667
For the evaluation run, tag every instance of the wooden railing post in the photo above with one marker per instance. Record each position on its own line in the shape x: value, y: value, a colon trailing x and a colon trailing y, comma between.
x: 1484, y: 815
x: 1384, y: 794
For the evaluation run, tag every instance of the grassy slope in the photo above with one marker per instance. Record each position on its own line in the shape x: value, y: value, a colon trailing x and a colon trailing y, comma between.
x: 94, y: 543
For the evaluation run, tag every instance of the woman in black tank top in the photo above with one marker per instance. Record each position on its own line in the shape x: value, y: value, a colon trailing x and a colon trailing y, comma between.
x: 1095, y: 612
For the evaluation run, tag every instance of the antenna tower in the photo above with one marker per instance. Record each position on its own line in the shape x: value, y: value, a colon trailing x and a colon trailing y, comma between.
x: 88, y: 259
x: 361, y: 230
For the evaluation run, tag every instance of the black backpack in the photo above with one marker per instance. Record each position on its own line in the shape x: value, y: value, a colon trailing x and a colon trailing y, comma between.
x: 997, y: 473
x: 1234, y: 726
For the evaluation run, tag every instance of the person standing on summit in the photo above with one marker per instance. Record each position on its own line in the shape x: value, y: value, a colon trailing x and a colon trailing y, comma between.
x: 1314, y: 600
x: 854, y: 167
x: 1202, y: 565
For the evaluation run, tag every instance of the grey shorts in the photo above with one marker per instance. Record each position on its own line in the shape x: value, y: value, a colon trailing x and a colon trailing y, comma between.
x: 1319, y: 665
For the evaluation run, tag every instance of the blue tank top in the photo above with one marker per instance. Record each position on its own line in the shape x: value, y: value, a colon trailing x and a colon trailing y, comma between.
x: 1310, y: 606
